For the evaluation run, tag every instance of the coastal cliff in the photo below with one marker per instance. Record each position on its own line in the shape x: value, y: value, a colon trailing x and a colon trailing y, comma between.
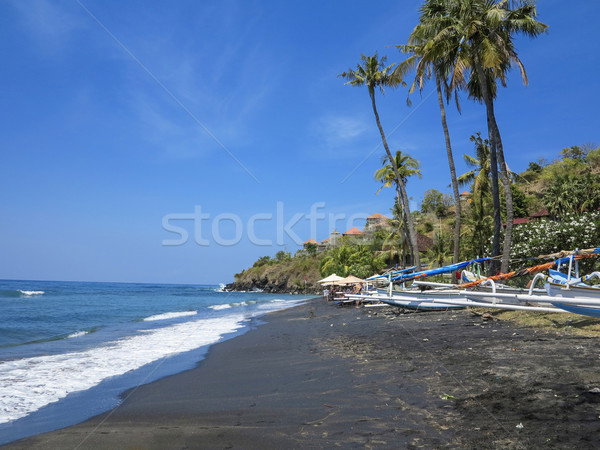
x: 291, y: 276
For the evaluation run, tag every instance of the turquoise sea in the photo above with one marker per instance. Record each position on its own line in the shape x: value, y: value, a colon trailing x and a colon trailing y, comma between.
x: 69, y: 349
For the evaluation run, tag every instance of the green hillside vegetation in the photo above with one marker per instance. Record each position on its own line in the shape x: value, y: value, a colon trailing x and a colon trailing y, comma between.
x: 568, y: 188
x: 564, y: 190
x: 282, y: 273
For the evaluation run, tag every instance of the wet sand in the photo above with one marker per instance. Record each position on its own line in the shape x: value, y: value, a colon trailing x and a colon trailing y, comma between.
x: 320, y: 376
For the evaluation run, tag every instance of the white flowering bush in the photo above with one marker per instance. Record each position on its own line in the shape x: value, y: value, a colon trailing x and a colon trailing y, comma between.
x: 546, y: 236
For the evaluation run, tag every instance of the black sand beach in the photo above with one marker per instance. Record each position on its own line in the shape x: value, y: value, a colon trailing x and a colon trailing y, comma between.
x: 320, y: 376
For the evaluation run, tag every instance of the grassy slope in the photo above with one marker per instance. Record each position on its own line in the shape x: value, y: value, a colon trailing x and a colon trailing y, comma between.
x: 284, y: 276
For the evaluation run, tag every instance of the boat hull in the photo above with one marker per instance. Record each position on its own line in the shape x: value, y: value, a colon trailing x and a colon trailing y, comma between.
x: 440, y: 300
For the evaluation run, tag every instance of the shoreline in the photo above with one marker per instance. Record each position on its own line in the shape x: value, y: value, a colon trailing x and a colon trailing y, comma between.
x: 79, y: 406
x: 316, y: 375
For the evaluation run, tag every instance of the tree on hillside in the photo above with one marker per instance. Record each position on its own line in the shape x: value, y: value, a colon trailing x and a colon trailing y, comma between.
x: 593, y: 158
x: 281, y: 256
x: 311, y: 249
x: 576, y: 152
x: 373, y: 73
x: 351, y: 260
x: 436, y: 202
x: 573, y: 194
x: 439, y: 251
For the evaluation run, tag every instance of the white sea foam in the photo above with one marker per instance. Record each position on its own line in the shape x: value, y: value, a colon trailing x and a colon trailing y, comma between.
x: 77, y: 334
x: 28, y: 293
x: 170, y: 315
x: 28, y: 384
x: 221, y: 288
x: 219, y: 307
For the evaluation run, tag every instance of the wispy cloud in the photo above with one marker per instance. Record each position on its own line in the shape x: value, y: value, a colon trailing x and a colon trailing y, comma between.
x: 167, y: 134
x: 217, y: 77
x: 330, y: 133
x: 331, y: 136
x: 336, y: 129
x: 49, y: 23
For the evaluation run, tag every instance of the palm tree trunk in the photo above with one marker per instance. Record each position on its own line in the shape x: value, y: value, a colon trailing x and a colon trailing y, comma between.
x: 452, y: 172
x: 412, y: 235
x: 481, y: 217
x: 508, y: 197
x: 495, y: 197
x: 493, y: 163
x: 404, y: 230
x: 409, y: 223
x: 498, y: 154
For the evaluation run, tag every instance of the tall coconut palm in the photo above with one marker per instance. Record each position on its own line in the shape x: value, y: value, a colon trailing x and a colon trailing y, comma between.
x: 483, y: 31
x: 426, y: 64
x: 374, y: 74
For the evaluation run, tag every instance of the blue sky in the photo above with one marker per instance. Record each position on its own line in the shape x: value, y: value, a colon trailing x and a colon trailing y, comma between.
x: 120, y: 117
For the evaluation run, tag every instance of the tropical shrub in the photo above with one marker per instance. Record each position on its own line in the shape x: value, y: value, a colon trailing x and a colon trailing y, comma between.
x: 593, y: 158
x: 546, y: 236
x: 573, y: 194
x: 351, y: 260
x: 311, y: 249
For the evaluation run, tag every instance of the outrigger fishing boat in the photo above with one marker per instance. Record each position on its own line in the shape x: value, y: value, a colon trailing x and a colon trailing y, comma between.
x: 418, y: 298
x: 562, y: 291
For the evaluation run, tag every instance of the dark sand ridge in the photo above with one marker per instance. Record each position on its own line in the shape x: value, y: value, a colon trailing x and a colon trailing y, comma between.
x: 319, y: 376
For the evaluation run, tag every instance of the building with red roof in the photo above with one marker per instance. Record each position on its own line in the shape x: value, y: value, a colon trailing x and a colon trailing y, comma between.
x: 519, y: 221
x: 375, y: 221
x: 310, y: 241
x: 353, y: 232
x: 465, y: 195
x: 541, y: 213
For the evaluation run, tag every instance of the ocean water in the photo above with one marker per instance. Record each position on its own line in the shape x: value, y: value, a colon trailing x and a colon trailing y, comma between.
x: 69, y: 349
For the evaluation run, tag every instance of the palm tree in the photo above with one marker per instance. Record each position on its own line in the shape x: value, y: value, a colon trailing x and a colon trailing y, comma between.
x: 480, y: 174
x: 374, y: 74
x: 426, y: 64
x: 487, y: 28
x: 396, y: 244
x: 477, y: 36
x: 439, y: 250
x: 407, y: 167
x: 479, y: 177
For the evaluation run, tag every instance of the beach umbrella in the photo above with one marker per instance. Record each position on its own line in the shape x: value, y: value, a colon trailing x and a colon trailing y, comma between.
x: 350, y: 279
x: 330, y: 279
